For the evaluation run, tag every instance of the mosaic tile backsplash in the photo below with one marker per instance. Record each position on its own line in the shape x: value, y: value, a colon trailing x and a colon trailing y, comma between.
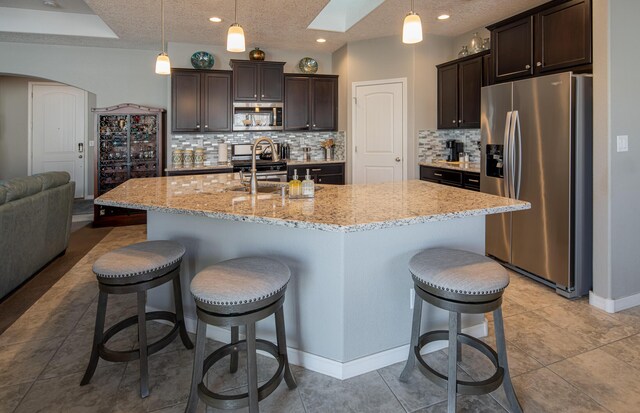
x: 296, y: 140
x: 431, y: 144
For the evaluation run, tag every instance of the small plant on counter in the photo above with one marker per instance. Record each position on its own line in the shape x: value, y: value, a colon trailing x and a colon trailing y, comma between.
x: 329, y: 143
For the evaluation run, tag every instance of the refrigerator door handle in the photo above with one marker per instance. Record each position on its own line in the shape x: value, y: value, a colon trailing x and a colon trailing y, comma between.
x: 517, y: 174
x: 506, y: 157
x: 512, y: 155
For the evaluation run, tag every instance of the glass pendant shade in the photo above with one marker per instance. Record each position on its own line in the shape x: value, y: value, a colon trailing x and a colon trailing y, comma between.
x: 412, y: 29
x: 163, y: 65
x: 235, y: 38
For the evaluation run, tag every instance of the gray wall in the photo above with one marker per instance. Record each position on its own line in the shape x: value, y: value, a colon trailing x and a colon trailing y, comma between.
x: 13, y: 126
x: 616, y: 187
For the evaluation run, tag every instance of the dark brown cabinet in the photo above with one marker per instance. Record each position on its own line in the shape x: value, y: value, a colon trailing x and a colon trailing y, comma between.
x: 332, y: 174
x: 459, y: 85
x: 552, y: 37
x: 200, y: 101
x: 311, y: 102
x: 257, y: 81
x: 451, y: 177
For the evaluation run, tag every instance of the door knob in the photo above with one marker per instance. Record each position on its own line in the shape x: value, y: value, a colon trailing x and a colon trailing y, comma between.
x: 398, y: 159
x: 80, y: 156
x: 527, y: 67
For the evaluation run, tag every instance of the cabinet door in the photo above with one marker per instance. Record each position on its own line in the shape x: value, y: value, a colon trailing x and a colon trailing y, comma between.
x: 271, y: 78
x: 512, y: 50
x: 563, y: 36
x: 324, y: 104
x: 448, y: 97
x: 296, y: 103
x: 245, y: 82
x: 216, y: 102
x: 469, y: 85
x: 185, y: 101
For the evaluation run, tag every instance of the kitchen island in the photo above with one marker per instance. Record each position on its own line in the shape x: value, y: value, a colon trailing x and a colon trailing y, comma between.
x: 348, y: 304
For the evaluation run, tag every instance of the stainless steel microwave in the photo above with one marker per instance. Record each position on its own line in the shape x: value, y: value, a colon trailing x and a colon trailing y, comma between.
x: 253, y: 116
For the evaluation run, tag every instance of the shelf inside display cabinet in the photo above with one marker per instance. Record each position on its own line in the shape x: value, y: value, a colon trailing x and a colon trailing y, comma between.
x: 131, y: 141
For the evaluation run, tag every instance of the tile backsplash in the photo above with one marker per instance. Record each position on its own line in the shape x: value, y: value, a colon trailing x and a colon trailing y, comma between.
x: 296, y: 140
x: 431, y: 143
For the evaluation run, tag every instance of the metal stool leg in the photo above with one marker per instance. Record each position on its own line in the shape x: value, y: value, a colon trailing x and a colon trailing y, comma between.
x: 459, y: 347
x: 453, y: 362
x: 198, y: 362
x: 177, y: 301
x: 501, y: 344
x: 235, y: 337
x: 282, y: 348
x: 252, y: 368
x: 142, y: 344
x: 415, y: 334
x: 97, y: 338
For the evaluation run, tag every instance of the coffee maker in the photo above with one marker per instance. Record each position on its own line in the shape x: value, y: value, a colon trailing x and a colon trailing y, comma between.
x: 454, y: 147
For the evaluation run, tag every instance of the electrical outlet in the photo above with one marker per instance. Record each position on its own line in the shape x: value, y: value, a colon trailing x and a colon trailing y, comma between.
x: 412, y: 298
x: 623, y: 143
x: 92, y: 143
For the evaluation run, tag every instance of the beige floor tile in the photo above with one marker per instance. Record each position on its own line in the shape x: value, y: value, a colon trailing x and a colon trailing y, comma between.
x: 627, y: 350
x: 609, y: 381
x: 10, y: 396
x: 545, y: 342
x: 629, y: 316
x: 541, y: 391
x: 23, y: 362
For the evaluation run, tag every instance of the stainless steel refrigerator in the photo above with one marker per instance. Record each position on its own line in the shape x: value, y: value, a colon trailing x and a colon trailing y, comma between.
x: 536, y: 144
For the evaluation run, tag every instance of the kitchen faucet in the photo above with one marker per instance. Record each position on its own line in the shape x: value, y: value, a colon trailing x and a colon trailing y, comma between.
x: 274, y: 157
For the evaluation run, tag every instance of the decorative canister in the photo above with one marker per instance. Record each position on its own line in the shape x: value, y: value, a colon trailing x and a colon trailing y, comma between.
x: 486, y: 44
x: 475, y: 45
x: 198, y: 157
x: 463, y: 52
x: 223, y: 153
x: 188, y: 157
x: 256, y: 54
x: 329, y: 153
x: 177, y: 157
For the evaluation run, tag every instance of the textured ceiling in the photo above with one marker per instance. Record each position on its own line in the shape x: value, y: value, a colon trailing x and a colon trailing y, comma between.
x: 278, y: 24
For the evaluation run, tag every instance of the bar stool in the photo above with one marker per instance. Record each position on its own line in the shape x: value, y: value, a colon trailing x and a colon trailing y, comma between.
x: 137, y: 268
x: 460, y: 282
x: 238, y: 292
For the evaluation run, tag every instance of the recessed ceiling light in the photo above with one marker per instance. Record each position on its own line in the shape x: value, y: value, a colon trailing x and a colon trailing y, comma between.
x: 215, y: 19
x: 321, y: 40
x: 443, y: 17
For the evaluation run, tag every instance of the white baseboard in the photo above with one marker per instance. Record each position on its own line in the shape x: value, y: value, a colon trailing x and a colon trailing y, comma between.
x: 82, y: 218
x: 349, y: 369
x: 613, y: 306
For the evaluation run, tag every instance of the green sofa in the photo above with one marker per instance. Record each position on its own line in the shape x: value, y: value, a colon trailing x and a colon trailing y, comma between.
x: 35, y: 224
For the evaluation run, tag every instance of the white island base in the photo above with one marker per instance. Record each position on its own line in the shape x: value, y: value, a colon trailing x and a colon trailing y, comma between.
x: 347, y: 306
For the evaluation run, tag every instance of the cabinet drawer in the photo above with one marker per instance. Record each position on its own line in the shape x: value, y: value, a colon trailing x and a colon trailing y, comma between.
x: 317, y: 169
x: 330, y: 179
x: 472, y: 181
x: 444, y: 176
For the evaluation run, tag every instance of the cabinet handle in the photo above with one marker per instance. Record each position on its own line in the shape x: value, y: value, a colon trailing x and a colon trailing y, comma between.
x: 539, y: 64
x: 319, y: 179
x: 527, y: 67
x: 206, y: 126
x: 474, y: 180
x: 459, y: 120
x: 316, y: 170
x: 262, y: 95
x: 437, y: 174
x: 197, y: 125
x: 255, y: 96
x: 307, y: 125
x: 314, y: 125
x: 454, y: 121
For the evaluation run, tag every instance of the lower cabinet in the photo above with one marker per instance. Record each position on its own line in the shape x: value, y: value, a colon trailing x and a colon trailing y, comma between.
x: 451, y: 177
x: 332, y: 174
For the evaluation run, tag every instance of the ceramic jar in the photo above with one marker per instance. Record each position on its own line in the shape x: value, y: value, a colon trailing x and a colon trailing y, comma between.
x: 198, y: 157
x: 256, y: 54
x: 188, y: 157
x: 177, y: 157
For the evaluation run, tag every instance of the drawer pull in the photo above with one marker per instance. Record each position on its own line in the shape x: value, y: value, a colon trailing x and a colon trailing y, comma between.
x: 437, y: 174
x: 474, y: 180
x: 316, y: 169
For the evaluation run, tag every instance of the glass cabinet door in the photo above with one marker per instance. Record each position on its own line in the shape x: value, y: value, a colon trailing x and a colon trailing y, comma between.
x: 143, y: 141
x: 113, y: 153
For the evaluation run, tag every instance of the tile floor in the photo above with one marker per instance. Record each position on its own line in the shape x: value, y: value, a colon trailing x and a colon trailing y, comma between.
x: 565, y: 357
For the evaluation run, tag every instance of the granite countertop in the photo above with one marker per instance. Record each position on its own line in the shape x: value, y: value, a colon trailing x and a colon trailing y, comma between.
x: 457, y: 166
x: 341, y: 208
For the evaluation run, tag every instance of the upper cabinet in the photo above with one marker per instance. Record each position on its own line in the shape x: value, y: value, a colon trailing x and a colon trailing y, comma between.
x: 459, y: 85
x: 311, y: 102
x: 200, y: 100
x: 257, y: 81
x: 553, y: 37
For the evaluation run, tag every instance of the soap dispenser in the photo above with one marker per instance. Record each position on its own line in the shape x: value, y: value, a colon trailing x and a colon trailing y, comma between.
x: 308, y: 186
x: 295, y: 186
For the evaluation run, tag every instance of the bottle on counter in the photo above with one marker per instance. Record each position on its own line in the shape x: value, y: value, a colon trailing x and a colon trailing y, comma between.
x: 308, y: 186
x: 295, y: 186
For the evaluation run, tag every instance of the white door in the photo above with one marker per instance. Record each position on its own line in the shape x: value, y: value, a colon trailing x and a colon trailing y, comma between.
x: 379, y: 131
x: 58, y: 125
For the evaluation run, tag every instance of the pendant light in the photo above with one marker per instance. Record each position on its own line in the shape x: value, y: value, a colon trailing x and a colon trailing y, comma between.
x: 235, y: 36
x: 412, y: 28
x: 163, y: 65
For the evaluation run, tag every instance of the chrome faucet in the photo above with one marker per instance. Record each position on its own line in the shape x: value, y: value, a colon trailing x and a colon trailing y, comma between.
x: 274, y: 157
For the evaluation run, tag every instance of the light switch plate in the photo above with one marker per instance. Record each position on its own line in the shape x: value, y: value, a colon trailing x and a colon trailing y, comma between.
x: 622, y: 143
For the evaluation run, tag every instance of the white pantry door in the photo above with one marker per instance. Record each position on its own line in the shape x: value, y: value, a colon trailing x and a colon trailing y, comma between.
x: 58, y: 125
x: 379, y: 131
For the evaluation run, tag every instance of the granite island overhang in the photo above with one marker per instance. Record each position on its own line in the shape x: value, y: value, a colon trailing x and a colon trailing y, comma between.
x: 347, y: 307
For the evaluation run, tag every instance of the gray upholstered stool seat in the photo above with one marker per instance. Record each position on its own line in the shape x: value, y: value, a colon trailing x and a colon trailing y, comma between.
x: 240, y: 281
x: 460, y: 272
x: 138, y: 262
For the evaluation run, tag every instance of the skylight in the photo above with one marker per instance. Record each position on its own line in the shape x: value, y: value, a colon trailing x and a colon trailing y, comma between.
x: 341, y: 15
x: 50, y: 22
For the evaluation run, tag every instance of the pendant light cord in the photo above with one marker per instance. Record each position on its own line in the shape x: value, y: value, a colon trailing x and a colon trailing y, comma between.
x: 162, y: 12
x: 235, y: 17
x: 412, y: 7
